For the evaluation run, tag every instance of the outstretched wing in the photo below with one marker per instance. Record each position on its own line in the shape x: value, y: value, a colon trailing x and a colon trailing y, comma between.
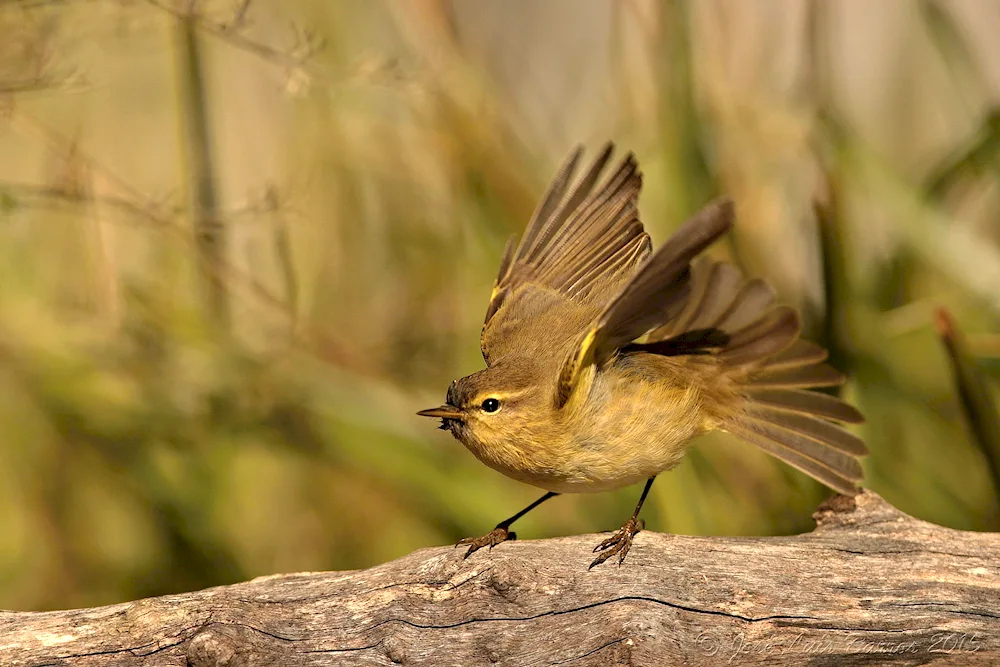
x: 582, y: 242
x: 738, y: 331
x: 656, y: 294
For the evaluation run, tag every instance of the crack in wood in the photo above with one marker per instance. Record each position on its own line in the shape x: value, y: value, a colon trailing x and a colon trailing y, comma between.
x: 600, y: 648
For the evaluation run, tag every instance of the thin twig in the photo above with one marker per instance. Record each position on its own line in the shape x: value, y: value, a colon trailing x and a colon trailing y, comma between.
x: 229, y: 33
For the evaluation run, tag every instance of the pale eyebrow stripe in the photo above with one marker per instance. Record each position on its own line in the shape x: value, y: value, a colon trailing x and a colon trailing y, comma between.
x: 501, y: 395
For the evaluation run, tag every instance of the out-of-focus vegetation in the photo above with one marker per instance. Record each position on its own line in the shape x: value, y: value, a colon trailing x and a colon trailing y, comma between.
x: 239, y: 250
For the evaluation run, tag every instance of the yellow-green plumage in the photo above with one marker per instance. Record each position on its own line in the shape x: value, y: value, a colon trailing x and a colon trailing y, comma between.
x: 604, y: 360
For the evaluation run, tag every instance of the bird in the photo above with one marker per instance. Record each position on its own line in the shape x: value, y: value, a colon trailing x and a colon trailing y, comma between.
x: 604, y: 359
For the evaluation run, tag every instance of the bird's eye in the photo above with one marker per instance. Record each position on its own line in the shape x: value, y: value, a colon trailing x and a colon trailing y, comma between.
x: 490, y: 405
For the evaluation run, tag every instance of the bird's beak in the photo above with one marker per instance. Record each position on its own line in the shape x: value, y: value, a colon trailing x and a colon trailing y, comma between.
x: 443, y: 412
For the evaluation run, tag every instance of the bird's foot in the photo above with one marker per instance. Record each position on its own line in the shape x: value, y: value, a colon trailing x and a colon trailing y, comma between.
x: 619, y: 543
x: 490, y: 539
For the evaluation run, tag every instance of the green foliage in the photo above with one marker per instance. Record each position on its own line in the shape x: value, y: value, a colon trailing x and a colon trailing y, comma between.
x: 150, y: 447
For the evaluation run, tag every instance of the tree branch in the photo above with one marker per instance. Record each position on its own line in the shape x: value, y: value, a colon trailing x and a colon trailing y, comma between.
x: 869, y: 586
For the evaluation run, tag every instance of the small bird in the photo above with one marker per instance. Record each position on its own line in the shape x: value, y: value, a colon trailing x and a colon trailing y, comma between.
x: 604, y: 359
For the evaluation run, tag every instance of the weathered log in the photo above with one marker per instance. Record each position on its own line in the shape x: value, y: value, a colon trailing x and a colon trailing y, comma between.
x: 869, y: 586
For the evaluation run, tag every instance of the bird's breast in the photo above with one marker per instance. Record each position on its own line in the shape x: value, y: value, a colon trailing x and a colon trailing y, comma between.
x: 628, y: 427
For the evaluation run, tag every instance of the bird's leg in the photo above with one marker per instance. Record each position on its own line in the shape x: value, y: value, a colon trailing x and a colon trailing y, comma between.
x: 620, y: 542
x: 501, y: 533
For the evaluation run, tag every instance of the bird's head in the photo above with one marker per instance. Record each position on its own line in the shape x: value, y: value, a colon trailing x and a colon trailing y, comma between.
x: 497, y: 405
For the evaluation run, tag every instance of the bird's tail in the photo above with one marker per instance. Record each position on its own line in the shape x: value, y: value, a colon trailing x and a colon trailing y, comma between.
x: 756, y: 346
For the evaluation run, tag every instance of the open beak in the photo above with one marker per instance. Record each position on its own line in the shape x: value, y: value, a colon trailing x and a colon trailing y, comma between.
x: 443, y: 412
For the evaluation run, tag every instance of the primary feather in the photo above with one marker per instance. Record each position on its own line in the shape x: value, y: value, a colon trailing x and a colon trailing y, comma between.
x: 582, y: 242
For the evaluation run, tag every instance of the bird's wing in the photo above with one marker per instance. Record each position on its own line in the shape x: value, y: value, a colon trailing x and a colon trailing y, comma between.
x: 657, y: 292
x: 736, y: 330
x: 582, y: 242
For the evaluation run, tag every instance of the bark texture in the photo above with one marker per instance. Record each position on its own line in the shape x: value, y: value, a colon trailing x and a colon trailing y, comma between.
x: 870, y: 586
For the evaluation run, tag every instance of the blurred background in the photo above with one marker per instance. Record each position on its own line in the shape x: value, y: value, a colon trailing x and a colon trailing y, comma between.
x: 241, y: 243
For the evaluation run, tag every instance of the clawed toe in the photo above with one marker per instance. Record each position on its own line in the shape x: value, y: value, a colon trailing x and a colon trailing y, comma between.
x: 619, y: 543
x: 490, y: 539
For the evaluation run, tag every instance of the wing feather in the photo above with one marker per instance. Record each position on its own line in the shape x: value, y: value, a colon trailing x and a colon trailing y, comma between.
x: 657, y: 293
x: 662, y: 284
x: 583, y: 241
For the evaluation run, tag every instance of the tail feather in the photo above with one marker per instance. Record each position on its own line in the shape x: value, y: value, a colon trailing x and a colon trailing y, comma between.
x: 838, y: 471
x: 771, y: 368
x: 805, y: 403
x: 798, y: 377
x: 800, y: 353
x: 818, y: 430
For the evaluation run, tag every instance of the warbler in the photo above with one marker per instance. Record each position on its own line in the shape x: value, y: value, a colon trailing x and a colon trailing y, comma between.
x: 604, y: 359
